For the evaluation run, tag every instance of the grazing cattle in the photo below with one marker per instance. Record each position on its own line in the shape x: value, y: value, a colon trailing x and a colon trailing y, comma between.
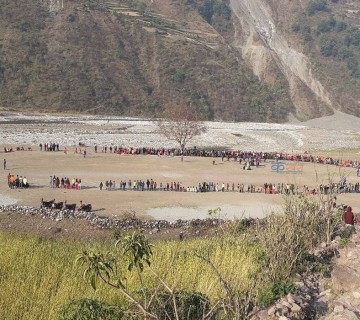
x: 46, y: 204
x: 58, y: 205
x: 86, y: 207
x: 69, y: 206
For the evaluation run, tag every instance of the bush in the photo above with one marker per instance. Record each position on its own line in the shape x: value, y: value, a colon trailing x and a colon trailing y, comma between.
x: 242, y: 225
x: 328, y: 47
x: 190, y: 305
x: 222, y: 9
x: 341, y: 26
x: 311, y: 263
x: 346, y: 232
x: 344, y: 53
x: 88, y: 309
x: 295, y: 27
x: 117, y: 233
x: 179, y: 75
x: 142, y: 8
x: 286, y: 237
x: 275, y: 292
x: 308, y: 258
x: 119, y: 54
x: 316, y: 5
x: 307, y: 34
x: 343, y: 242
x: 212, y: 7
x: 207, y: 10
x: 71, y: 17
x: 282, y: 288
x: 353, y: 66
x: 354, y: 37
x: 326, y: 25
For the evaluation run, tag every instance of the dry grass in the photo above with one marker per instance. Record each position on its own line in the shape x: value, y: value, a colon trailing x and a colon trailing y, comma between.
x: 39, y: 276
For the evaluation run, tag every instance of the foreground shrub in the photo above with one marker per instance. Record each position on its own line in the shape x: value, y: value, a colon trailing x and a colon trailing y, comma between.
x: 190, y: 305
x: 88, y: 309
x: 275, y: 292
x: 305, y: 223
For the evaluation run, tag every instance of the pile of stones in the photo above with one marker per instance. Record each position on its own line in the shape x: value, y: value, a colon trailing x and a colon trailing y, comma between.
x: 125, y: 224
x: 298, y: 306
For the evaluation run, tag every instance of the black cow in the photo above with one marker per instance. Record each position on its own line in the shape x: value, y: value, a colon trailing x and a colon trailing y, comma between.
x: 46, y: 204
x: 70, y: 206
x: 57, y: 205
x: 86, y: 207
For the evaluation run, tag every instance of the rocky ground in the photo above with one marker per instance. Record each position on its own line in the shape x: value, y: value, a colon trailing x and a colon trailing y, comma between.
x: 339, y: 131
x: 80, y: 225
x: 343, y: 293
x: 334, y: 296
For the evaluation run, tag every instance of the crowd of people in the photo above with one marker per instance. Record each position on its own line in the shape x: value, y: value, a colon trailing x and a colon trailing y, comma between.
x: 51, y: 146
x: 241, y: 156
x: 252, y: 157
x: 266, y: 188
x: 66, y: 183
x: 343, y: 187
x: 17, y: 182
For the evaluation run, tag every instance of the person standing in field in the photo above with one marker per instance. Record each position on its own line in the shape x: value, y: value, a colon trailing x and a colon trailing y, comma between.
x: 349, y: 216
x: 4, y: 164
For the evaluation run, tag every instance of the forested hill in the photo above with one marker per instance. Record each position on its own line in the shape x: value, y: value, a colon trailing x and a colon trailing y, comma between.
x: 236, y: 60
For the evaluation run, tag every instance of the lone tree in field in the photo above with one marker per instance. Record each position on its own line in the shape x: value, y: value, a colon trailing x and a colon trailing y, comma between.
x: 181, y: 123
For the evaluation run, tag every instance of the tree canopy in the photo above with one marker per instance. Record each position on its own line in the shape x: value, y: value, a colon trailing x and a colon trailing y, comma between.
x: 181, y: 123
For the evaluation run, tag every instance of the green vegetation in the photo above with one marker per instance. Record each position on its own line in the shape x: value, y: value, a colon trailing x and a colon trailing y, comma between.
x: 316, y: 5
x: 179, y: 75
x: 332, y: 37
x: 296, y: 27
x: 210, y: 8
x: 221, y: 277
x: 276, y: 291
x: 119, y: 53
x: 142, y: 8
x: 215, y: 12
x: 88, y: 309
x: 328, y: 47
x: 326, y: 25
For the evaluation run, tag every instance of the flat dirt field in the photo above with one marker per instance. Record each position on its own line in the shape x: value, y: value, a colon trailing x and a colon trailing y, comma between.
x: 335, y: 136
x: 38, y: 166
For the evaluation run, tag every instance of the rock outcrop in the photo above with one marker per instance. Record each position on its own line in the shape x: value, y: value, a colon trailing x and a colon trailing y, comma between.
x: 344, y: 300
x: 327, y: 298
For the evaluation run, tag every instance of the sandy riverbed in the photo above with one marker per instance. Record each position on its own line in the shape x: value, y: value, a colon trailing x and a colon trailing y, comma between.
x: 37, y: 166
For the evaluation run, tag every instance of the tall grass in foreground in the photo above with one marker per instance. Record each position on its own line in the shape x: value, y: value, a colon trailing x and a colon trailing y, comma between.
x: 39, y: 276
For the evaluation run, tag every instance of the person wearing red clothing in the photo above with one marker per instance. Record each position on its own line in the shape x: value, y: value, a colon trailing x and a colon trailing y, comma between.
x: 349, y: 216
